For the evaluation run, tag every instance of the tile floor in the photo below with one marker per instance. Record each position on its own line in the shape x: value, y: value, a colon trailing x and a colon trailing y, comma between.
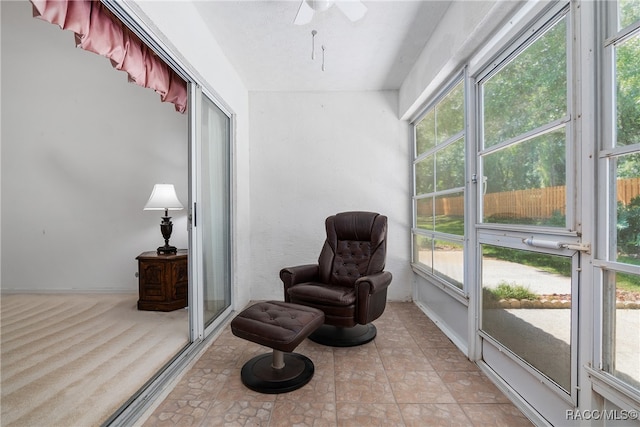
x: 410, y: 375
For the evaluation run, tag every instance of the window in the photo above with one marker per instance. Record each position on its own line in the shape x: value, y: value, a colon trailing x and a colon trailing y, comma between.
x: 439, y: 180
x: 620, y: 162
x: 524, y: 133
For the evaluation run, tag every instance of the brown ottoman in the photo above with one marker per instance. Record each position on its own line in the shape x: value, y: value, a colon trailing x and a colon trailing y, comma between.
x: 280, y: 326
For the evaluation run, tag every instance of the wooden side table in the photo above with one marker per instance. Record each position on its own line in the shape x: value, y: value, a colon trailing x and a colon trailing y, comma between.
x: 163, y: 281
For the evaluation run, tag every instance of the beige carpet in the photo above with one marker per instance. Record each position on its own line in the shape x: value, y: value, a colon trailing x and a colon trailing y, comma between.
x: 72, y: 360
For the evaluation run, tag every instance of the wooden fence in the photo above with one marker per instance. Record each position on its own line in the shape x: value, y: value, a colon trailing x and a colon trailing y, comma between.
x: 534, y: 203
x: 628, y: 189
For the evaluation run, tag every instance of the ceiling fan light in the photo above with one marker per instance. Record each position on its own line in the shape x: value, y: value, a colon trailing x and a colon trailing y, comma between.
x: 320, y: 5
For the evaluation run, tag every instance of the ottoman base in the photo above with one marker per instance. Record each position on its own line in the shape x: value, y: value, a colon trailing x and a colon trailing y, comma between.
x: 259, y: 373
x: 334, y: 336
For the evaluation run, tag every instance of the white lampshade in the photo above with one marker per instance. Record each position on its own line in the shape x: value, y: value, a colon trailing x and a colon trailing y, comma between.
x: 163, y: 197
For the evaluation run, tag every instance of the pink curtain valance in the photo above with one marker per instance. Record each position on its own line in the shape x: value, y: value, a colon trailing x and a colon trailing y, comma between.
x: 98, y: 30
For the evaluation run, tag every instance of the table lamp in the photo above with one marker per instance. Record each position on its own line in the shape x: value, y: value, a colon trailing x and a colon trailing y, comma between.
x: 163, y: 197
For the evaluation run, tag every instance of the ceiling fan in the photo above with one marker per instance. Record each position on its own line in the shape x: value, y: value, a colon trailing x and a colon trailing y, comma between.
x: 353, y: 9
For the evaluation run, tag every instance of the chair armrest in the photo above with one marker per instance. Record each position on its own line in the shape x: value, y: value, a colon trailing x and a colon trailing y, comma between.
x: 299, y: 274
x: 371, y: 296
x: 374, y: 283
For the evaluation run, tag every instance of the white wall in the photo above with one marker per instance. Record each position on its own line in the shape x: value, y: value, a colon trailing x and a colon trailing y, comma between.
x: 81, y: 150
x: 295, y: 135
x: 197, y: 46
x: 317, y: 154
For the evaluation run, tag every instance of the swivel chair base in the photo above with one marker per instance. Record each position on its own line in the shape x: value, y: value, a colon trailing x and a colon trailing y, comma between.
x: 334, y: 336
x: 277, y: 372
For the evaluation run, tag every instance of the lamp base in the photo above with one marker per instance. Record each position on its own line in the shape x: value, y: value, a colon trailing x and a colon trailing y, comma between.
x: 167, y: 250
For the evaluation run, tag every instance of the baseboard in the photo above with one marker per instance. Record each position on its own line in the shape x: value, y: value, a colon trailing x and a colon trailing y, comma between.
x: 68, y: 291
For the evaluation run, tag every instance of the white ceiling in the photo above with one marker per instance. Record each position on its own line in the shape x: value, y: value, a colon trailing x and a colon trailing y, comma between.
x: 272, y: 54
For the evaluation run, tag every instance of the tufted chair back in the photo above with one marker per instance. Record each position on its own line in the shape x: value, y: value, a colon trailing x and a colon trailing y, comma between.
x: 349, y: 283
x: 356, y: 246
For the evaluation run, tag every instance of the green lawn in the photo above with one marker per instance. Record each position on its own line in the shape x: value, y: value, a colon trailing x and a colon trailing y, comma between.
x: 444, y: 224
x: 628, y: 282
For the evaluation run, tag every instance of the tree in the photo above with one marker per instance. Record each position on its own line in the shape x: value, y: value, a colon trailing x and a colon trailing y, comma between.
x: 628, y: 226
x: 628, y: 92
x: 528, y: 92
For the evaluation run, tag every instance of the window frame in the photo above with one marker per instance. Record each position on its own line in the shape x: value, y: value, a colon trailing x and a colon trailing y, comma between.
x: 460, y: 293
x: 536, y: 30
x: 609, y: 36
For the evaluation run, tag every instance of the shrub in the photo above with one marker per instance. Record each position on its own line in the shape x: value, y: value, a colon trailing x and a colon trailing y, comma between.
x: 506, y: 290
x: 629, y: 227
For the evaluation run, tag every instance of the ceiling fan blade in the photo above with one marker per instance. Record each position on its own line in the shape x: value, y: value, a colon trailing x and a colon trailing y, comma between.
x: 353, y: 9
x: 304, y: 15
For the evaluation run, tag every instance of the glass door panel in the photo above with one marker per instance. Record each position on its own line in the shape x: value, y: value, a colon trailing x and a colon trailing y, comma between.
x: 530, y: 90
x: 526, y: 194
x: 527, y: 307
x: 215, y: 210
x: 525, y: 182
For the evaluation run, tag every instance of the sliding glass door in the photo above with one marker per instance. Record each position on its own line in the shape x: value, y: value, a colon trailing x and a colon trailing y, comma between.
x: 215, y: 203
x: 211, y: 213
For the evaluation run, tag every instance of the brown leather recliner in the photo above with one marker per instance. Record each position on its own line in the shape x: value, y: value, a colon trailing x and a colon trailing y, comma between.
x: 349, y: 283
